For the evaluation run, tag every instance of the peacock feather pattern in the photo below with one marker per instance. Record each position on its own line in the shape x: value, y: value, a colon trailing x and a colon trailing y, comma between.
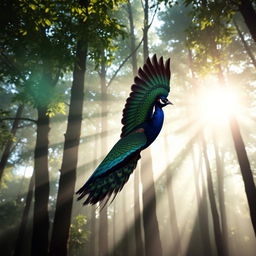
x: 152, y: 82
x: 141, y: 126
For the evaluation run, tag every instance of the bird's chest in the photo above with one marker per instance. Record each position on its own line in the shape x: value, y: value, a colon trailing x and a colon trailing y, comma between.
x: 154, y: 126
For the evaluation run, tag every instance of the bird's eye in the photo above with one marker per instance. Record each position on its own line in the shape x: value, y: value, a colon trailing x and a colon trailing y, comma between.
x: 162, y: 101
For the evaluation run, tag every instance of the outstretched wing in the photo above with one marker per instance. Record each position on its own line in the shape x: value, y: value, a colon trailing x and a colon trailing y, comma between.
x: 153, y: 81
x: 115, y: 169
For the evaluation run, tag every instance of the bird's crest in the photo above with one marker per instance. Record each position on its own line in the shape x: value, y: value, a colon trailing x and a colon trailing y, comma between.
x: 152, y: 81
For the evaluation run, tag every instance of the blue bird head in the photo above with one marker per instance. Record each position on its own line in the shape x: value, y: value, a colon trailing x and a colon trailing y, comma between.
x: 162, y: 101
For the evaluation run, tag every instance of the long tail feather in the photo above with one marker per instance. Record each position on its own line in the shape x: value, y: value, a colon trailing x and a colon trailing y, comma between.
x: 104, y: 186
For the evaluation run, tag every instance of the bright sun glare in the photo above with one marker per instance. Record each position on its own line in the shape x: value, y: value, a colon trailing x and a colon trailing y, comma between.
x: 217, y: 104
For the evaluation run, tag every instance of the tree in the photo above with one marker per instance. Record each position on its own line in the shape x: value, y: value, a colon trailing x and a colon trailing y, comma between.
x: 248, y: 12
x: 90, y: 26
x: 138, y: 224
x: 246, y: 46
x: 32, y: 36
x: 212, y: 23
x: 214, y: 210
x: 9, y: 143
x: 152, y: 243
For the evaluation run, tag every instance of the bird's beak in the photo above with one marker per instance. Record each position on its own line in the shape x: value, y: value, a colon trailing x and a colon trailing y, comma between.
x: 168, y: 102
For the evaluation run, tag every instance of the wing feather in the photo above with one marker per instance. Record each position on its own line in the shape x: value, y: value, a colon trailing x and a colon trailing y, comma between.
x: 124, y: 148
x: 152, y: 81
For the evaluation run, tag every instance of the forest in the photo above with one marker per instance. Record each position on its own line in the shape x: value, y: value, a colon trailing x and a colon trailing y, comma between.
x: 66, y: 70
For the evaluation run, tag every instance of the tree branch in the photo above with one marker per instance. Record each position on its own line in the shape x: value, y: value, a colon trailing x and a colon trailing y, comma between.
x: 129, y: 56
x: 19, y: 118
x: 12, y: 65
x: 125, y: 60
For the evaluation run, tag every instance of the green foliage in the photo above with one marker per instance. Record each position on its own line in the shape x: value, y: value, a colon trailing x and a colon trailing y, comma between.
x: 78, y: 234
x: 210, y: 33
x: 5, y: 133
x: 105, y: 28
x: 39, y: 42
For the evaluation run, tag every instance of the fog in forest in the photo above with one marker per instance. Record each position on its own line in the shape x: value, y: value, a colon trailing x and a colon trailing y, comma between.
x: 66, y: 70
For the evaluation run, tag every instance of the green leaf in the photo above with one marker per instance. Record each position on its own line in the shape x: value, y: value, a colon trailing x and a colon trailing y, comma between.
x: 32, y: 6
x: 48, y: 22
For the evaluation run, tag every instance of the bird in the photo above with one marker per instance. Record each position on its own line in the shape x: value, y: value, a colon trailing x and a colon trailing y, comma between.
x: 142, y: 121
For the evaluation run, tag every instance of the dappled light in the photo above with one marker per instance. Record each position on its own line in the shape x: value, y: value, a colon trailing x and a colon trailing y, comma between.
x: 94, y: 160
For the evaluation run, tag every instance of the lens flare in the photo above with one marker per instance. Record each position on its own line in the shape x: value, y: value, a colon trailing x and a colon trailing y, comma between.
x: 216, y: 105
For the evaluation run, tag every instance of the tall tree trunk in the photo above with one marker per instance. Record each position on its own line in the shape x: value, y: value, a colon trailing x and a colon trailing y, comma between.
x: 249, y: 15
x: 201, y: 199
x: 41, y: 216
x: 246, y: 46
x: 132, y: 36
x: 92, y: 244
x: 126, y: 246
x: 174, y: 229
x: 137, y: 213
x: 22, y: 230
x: 114, y: 229
x: 245, y: 167
x: 62, y: 218
x: 9, y: 143
x: 202, y: 205
x: 220, y: 178
x: 214, y: 210
x: 151, y: 230
x: 145, y: 31
x: 103, y: 218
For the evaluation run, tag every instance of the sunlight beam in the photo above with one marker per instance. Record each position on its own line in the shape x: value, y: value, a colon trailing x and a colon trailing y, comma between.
x: 216, y: 104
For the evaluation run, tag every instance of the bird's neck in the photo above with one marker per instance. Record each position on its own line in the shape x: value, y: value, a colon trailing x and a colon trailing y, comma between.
x: 157, y: 119
x: 154, y: 125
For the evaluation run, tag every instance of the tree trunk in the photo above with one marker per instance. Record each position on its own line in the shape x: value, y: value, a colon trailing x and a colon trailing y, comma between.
x: 114, y: 229
x: 62, y: 218
x: 9, y: 143
x: 103, y: 219
x: 245, y: 167
x: 92, y: 244
x: 151, y: 230
x: 249, y: 15
x: 41, y: 216
x: 145, y: 31
x: 214, y: 210
x: 174, y: 229
x: 137, y: 213
x: 22, y: 230
x: 202, y: 206
x: 246, y: 46
x: 220, y: 178
x: 201, y: 199
x: 126, y: 229
x: 132, y: 36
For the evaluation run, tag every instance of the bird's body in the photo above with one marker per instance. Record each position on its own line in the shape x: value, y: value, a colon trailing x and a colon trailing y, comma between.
x: 153, y: 126
x: 143, y: 119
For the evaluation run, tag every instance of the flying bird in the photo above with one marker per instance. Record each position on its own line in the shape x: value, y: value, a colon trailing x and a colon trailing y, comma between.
x: 142, y: 121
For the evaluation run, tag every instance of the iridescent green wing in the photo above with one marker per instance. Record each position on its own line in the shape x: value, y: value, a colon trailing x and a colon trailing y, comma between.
x: 124, y: 148
x: 152, y: 81
x: 114, y: 170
